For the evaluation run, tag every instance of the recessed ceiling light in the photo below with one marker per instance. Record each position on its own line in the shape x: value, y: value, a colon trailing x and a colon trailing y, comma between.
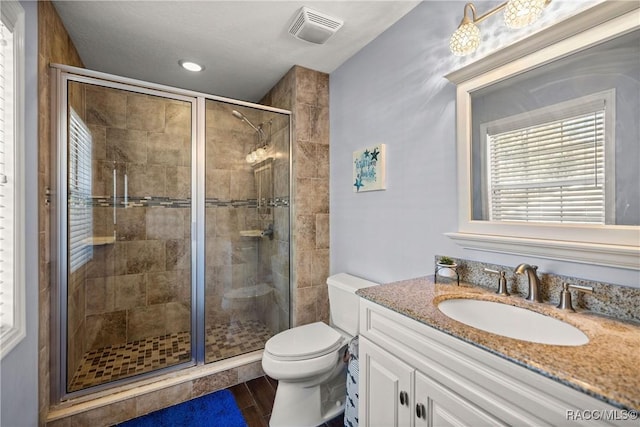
x: 191, y: 66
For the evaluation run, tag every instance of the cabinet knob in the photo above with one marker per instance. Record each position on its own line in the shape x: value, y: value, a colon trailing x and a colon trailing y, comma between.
x: 421, y: 411
x: 404, y: 398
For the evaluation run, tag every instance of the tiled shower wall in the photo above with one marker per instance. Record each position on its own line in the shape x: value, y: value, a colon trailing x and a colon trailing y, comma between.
x: 137, y: 286
x: 306, y: 93
x: 237, y: 203
x: 54, y: 46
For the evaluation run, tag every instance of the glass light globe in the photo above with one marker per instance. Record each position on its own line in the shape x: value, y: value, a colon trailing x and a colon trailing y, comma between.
x: 261, y: 153
x: 251, y: 157
x: 520, y: 13
x: 465, y: 39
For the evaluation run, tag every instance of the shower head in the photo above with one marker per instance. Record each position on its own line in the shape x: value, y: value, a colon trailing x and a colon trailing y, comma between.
x: 238, y: 115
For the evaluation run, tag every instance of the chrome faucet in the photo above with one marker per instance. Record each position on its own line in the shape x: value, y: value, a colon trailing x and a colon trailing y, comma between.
x: 534, y: 282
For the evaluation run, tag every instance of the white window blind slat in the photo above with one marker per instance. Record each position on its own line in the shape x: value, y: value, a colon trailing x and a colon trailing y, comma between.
x: 80, y: 209
x: 549, y: 172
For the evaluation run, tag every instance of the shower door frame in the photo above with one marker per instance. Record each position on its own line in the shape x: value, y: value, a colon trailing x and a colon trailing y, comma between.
x: 60, y: 76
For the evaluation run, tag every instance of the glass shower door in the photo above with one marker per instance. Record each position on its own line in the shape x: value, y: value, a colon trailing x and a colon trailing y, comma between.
x: 129, y: 264
x: 246, y: 228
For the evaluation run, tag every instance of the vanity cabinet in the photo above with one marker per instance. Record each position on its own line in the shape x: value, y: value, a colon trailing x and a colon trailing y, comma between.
x: 412, y: 375
x: 395, y: 394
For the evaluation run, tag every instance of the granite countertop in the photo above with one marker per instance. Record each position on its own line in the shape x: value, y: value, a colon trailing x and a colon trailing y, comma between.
x: 605, y: 368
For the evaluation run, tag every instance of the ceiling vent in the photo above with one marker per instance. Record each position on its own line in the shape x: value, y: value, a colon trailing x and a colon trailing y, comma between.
x: 314, y: 27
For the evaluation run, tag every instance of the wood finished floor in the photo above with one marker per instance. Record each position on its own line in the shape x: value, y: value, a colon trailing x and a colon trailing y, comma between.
x: 255, y: 400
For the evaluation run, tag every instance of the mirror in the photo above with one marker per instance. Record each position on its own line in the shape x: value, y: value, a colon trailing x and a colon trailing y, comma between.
x: 551, y: 168
x: 547, y: 136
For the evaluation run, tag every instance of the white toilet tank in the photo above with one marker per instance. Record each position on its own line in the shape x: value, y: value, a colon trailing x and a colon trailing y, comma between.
x: 344, y: 304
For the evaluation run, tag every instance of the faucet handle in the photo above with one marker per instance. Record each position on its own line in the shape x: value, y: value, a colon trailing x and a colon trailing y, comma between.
x: 565, y: 295
x: 502, y: 282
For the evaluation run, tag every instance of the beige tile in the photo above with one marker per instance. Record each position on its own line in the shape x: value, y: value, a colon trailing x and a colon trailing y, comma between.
x: 322, y: 159
x: 178, y: 182
x: 242, y: 185
x: 145, y: 113
x: 169, y: 150
x: 306, y: 310
x: 106, y: 107
x: 312, y: 196
x: 306, y: 163
x: 250, y: 371
x: 169, y: 286
x: 165, y: 223
x: 304, y: 237
x: 178, y: 317
x: 100, y: 295
x: 106, y: 415
x: 106, y: 329
x: 178, y: 254
x: 145, y: 322
x: 125, y: 145
x: 178, y: 119
x: 145, y: 256
x: 320, y: 267
x: 306, y: 86
x: 319, y: 125
x: 227, y: 222
x: 130, y: 223
x: 302, y: 123
x: 208, y: 384
x: 98, y: 142
x: 147, y: 180
x: 130, y: 291
x: 218, y: 183
x: 322, y: 231
x: 64, y: 422
x: 304, y: 266
x: 163, y: 398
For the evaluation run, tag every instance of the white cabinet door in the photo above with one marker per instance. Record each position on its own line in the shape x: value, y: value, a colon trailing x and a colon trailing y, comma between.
x: 438, y: 406
x: 386, y: 388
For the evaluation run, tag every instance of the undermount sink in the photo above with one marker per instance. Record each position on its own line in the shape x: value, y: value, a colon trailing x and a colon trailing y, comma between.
x: 512, y: 322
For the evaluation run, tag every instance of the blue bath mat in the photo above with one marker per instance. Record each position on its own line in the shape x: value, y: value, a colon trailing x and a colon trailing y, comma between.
x: 217, y: 409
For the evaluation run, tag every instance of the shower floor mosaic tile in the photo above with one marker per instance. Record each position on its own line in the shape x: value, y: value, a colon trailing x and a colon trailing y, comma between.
x: 226, y: 340
x: 137, y: 357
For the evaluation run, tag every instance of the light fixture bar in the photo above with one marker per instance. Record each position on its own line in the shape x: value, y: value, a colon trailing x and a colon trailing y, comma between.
x: 518, y: 13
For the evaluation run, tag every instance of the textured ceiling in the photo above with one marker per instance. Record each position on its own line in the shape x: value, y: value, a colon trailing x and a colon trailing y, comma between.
x: 244, y: 45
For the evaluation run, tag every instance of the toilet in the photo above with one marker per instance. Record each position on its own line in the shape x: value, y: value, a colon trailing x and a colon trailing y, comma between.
x: 307, y: 360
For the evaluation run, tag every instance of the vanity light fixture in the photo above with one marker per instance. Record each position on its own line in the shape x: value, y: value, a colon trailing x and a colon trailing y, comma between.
x: 191, y: 66
x: 517, y: 14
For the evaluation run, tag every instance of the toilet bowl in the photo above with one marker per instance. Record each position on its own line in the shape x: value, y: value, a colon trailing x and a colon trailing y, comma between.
x: 308, y: 361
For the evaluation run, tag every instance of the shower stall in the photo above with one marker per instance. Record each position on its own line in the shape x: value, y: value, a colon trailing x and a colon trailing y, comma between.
x: 171, y: 225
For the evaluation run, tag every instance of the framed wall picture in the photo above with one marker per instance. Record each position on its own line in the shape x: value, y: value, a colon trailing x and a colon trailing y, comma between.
x: 369, y: 169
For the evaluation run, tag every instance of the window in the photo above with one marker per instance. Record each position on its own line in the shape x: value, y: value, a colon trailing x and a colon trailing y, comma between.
x: 80, y: 213
x: 12, y: 309
x: 549, y: 165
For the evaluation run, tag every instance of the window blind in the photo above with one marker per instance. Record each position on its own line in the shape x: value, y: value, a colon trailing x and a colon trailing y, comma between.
x: 80, y: 210
x: 549, y: 172
x: 7, y: 192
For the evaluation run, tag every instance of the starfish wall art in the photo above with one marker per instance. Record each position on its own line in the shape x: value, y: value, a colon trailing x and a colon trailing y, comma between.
x: 369, y: 169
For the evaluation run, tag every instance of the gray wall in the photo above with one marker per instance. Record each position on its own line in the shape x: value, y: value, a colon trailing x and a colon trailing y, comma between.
x: 393, y: 92
x: 19, y: 369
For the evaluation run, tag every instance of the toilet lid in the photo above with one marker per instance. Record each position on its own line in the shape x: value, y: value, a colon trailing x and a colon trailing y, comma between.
x: 304, y: 342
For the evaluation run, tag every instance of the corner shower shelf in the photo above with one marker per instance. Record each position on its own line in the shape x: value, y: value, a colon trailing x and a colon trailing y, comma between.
x: 99, y: 240
x: 251, y: 233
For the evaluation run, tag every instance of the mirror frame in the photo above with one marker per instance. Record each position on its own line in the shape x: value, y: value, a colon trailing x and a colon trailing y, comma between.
x: 614, y: 246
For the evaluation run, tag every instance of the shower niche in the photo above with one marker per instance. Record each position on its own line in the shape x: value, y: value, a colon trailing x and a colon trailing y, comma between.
x: 172, y: 244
